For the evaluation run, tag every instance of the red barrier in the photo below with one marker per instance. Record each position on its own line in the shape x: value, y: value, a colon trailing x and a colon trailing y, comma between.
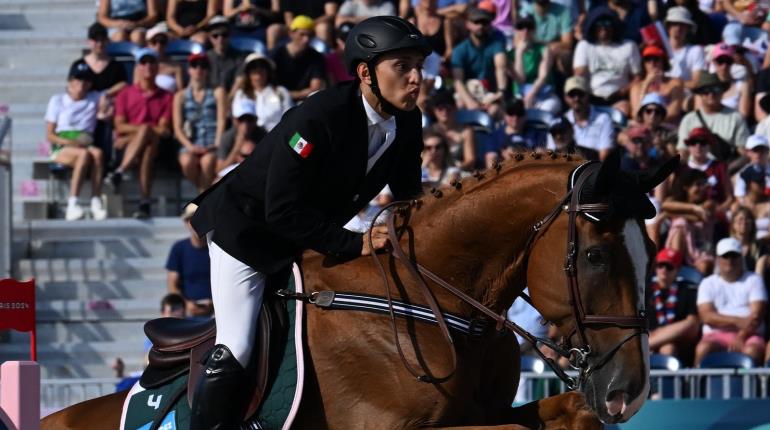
x: 17, y: 309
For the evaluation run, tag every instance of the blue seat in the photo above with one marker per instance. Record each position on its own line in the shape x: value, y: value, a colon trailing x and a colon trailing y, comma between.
x: 664, y: 385
x: 319, y: 45
x: 713, y: 387
x: 478, y: 119
x: 539, y: 119
x: 619, y: 119
x: 688, y: 275
x: 247, y: 45
x: 180, y: 49
x: 117, y: 50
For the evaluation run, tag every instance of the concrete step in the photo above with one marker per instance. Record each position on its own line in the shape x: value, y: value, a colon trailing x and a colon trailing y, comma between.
x: 129, y: 331
x: 99, y: 248
x: 79, y: 360
x: 45, y: 270
x: 29, y: 92
x: 102, y: 290
x: 100, y: 310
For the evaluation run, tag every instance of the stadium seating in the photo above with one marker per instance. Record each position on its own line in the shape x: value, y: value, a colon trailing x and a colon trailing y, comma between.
x: 665, y: 385
x: 247, y: 45
x: 733, y: 386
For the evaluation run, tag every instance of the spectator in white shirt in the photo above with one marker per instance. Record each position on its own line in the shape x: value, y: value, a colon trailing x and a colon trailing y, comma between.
x: 258, y: 84
x: 731, y: 305
x: 688, y: 60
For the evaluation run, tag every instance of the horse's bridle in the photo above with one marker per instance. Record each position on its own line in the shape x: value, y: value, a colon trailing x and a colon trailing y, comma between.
x: 577, y: 355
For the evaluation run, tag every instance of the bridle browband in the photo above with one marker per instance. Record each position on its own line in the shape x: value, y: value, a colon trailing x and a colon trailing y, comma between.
x: 577, y: 355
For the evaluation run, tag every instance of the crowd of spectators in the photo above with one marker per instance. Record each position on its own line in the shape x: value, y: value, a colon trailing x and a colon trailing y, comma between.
x: 648, y: 78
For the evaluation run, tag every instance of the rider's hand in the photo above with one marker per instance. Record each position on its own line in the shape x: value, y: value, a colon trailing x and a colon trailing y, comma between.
x: 379, y: 239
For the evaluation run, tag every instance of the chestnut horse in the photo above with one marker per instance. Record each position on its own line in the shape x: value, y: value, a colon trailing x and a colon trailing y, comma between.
x: 476, y: 236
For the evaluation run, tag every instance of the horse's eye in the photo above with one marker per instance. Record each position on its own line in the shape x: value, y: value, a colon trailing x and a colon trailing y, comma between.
x: 595, y: 256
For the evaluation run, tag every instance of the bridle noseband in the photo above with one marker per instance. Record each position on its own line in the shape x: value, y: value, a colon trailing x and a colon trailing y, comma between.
x: 577, y: 355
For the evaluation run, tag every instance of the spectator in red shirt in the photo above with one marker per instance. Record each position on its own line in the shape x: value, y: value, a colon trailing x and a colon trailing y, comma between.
x: 142, y: 118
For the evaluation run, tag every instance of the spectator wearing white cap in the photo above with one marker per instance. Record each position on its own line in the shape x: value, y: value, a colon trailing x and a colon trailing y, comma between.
x: 244, y: 132
x: 127, y: 20
x: 652, y: 114
x: 189, y: 18
x: 756, y: 172
x: 592, y: 129
x: 258, y: 83
x: 688, y: 60
x: 170, y: 74
x: 653, y: 80
x: 731, y: 304
x: 199, y: 116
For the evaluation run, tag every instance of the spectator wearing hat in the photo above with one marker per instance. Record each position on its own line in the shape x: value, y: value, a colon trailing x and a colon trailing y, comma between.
x: 719, y: 190
x: 258, y: 84
x: 170, y: 74
x: 738, y: 94
x: 634, y: 15
x: 188, y: 19
x: 652, y: 114
x: 638, y: 154
x: 672, y: 311
x: 258, y: 19
x: 688, y: 60
x: 479, y: 61
x: 299, y: 68
x: 512, y: 135
x: 705, y: 32
x: 756, y: 173
x: 70, y: 122
x: 724, y: 122
x: 142, y: 119
x: 592, y: 129
x: 532, y: 69
x: 608, y: 62
x: 244, y: 134
x: 335, y: 58
x: 561, y: 138
x: 109, y: 78
x: 225, y: 61
x: 199, y: 115
x: 126, y: 20
x: 188, y: 270
x: 321, y: 12
x: 731, y: 305
x: 356, y: 11
x: 653, y: 79
x: 460, y: 138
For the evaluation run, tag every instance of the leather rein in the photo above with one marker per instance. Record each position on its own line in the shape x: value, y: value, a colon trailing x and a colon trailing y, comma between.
x: 577, y: 355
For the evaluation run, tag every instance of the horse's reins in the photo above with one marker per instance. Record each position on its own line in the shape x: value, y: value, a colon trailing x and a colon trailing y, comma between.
x: 576, y: 355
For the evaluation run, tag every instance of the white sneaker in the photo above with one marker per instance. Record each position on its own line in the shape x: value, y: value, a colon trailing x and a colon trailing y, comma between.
x: 74, y: 212
x: 97, y: 209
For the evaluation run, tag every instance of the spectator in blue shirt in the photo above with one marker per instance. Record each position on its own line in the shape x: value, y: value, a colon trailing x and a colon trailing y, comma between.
x: 512, y: 135
x: 479, y: 63
x: 189, y: 272
x: 634, y: 15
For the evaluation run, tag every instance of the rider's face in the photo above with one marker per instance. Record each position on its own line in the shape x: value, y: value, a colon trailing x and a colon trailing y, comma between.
x: 399, y: 75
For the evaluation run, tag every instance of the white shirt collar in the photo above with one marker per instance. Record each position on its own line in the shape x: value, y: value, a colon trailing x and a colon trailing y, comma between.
x: 373, y: 118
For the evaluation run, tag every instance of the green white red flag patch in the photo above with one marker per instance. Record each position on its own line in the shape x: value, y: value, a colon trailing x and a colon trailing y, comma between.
x: 300, y: 145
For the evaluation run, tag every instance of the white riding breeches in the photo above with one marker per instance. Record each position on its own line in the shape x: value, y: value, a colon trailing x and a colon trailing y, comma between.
x: 236, y: 290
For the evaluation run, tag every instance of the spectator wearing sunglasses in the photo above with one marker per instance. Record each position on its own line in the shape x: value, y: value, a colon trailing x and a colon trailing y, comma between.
x: 738, y: 94
x: 719, y: 189
x: 561, y: 138
x: 512, y: 135
x: 224, y: 61
x: 592, y: 129
x: 653, y: 79
x: 724, y: 122
x: 756, y: 173
x: 652, y: 114
x: 170, y: 76
x: 638, y: 154
x: 532, y: 69
x: 673, y: 314
x: 199, y: 120
x: 437, y: 168
x: 608, y: 62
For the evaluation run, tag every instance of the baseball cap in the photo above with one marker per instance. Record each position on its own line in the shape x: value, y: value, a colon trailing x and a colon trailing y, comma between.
x: 159, y: 28
x: 559, y: 124
x: 576, y: 83
x: 699, y: 133
x: 638, y: 131
x: 669, y: 256
x: 145, y: 52
x: 653, y: 99
x: 217, y: 21
x: 302, y: 22
x: 728, y: 245
x: 526, y: 21
x: 732, y: 33
x: 756, y: 140
x: 479, y: 14
x: 722, y: 50
x: 653, y: 51
x: 97, y: 32
x: 244, y: 106
x: 80, y: 71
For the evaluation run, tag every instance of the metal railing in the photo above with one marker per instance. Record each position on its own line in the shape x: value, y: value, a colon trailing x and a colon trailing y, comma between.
x: 669, y: 384
x: 6, y: 206
x: 56, y: 394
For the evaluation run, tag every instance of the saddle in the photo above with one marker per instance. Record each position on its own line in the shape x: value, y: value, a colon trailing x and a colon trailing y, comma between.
x: 181, y: 346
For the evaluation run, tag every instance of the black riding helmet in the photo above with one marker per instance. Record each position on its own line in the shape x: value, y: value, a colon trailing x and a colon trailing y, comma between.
x: 375, y: 36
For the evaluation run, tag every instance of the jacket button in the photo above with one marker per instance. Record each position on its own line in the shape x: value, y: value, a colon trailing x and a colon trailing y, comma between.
x: 355, y: 198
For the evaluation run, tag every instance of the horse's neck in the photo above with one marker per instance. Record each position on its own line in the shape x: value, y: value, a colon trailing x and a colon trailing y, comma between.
x: 475, y: 239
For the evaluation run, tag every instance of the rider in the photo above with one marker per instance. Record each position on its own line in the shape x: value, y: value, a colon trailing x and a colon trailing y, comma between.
x: 311, y: 174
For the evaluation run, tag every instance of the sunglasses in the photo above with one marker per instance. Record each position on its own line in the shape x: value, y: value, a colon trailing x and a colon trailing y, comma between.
x: 723, y: 60
x: 697, y: 142
x: 148, y: 60
x: 219, y: 35
x: 158, y: 41
x: 199, y: 64
x: 651, y: 58
x: 576, y: 94
x: 528, y: 27
x: 431, y: 148
x: 714, y: 90
x: 665, y: 266
x: 481, y: 22
x: 731, y: 255
x: 654, y: 111
x: 604, y: 23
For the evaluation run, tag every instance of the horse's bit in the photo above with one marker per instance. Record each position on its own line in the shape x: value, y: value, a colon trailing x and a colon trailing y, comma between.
x: 577, y: 355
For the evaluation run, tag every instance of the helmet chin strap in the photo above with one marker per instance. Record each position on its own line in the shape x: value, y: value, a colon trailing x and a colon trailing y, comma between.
x: 386, y: 105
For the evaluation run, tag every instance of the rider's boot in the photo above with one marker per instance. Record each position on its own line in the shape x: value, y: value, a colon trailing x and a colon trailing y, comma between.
x: 222, y: 393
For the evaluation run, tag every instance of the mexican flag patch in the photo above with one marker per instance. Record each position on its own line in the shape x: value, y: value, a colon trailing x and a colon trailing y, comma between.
x: 300, y: 145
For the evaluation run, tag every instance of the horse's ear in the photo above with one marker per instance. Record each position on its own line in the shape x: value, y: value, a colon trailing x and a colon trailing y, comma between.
x: 648, y: 182
x: 608, y: 172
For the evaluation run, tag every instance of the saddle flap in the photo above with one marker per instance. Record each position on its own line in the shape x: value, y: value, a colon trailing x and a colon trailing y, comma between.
x: 177, y: 334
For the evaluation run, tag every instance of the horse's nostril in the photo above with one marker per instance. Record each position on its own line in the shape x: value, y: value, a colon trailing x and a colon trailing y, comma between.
x: 616, y: 402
